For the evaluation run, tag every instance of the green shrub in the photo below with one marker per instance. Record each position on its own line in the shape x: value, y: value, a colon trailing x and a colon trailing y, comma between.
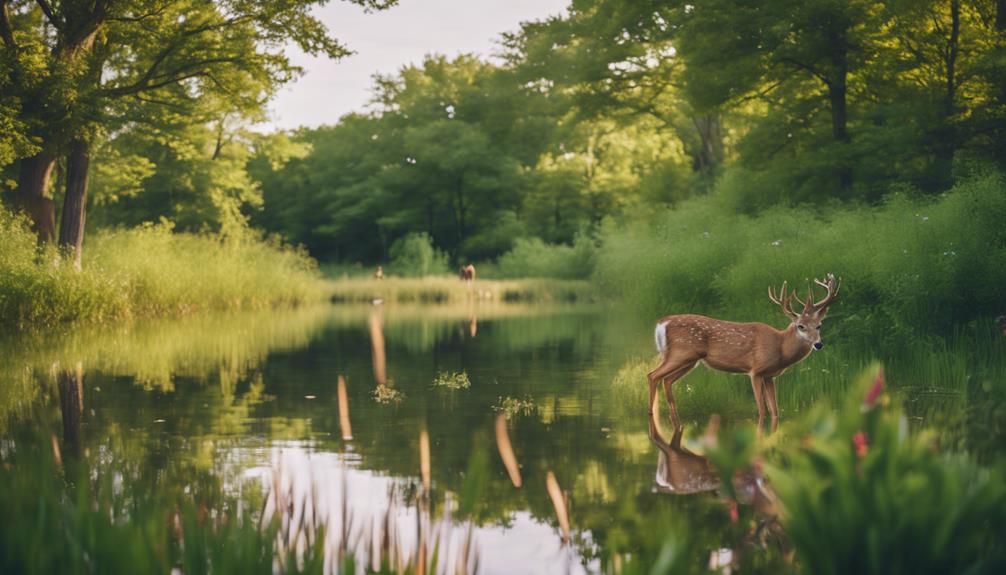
x: 415, y: 256
x: 910, y: 266
x: 533, y: 258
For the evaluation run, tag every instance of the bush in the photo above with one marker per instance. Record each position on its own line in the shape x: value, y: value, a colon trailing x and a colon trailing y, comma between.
x: 533, y: 258
x: 415, y: 256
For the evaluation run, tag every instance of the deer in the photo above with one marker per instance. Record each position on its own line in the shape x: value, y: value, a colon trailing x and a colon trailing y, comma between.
x: 756, y: 349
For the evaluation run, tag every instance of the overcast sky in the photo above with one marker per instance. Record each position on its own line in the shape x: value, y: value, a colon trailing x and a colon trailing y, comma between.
x: 385, y: 41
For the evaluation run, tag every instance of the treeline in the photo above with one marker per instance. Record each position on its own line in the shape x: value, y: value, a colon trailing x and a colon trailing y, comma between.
x: 612, y: 111
x: 618, y: 108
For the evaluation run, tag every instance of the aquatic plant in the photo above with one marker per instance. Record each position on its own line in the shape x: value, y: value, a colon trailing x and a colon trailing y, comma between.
x: 452, y: 380
x: 514, y: 406
x: 385, y: 395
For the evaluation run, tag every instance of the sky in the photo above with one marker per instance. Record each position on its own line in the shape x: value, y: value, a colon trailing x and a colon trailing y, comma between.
x: 385, y: 41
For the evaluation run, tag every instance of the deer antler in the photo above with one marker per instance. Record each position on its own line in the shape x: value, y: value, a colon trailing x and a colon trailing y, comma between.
x: 832, y: 285
x: 783, y: 301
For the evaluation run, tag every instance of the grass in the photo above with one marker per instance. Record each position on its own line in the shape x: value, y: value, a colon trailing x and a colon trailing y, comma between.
x: 914, y: 265
x: 449, y: 289
x: 146, y: 272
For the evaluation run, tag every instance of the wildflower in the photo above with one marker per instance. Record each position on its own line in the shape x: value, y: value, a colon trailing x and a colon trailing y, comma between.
x: 734, y: 516
x: 875, y: 390
x: 862, y: 442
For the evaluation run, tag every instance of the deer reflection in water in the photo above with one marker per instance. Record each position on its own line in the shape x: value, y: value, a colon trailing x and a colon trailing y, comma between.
x: 682, y: 472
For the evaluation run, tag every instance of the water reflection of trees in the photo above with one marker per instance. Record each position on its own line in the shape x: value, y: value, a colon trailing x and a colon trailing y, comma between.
x: 185, y: 409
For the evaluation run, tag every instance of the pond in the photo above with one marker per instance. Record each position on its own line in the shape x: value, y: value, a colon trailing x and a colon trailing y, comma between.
x: 512, y: 437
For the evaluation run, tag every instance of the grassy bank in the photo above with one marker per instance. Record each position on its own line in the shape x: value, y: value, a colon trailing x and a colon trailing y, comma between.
x: 913, y: 265
x: 147, y: 271
x: 449, y: 289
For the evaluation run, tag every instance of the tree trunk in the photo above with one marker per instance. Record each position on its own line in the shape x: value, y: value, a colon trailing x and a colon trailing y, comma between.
x: 945, y: 133
x: 837, y: 95
x: 710, y: 154
x: 32, y: 198
x: 71, y: 225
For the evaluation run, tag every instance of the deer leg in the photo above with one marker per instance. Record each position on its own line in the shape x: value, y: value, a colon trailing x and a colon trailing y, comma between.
x: 668, y: 382
x: 667, y: 368
x: 757, y: 384
x: 770, y: 400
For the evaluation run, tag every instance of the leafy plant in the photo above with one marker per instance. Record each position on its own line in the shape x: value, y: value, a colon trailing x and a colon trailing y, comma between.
x: 863, y: 494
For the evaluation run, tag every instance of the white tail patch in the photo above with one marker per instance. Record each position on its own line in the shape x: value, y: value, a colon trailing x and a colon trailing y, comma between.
x: 660, y: 335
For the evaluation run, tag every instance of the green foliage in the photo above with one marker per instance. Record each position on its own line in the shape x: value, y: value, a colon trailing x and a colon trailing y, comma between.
x: 415, y: 256
x: 864, y: 495
x: 146, y: 271
x: 533, y: 258
x: 907, y: 268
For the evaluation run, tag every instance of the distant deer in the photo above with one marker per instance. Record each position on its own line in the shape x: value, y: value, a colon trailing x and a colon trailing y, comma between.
x: 467, y: 273
x: 1001, y: 322
x: 756, y: 349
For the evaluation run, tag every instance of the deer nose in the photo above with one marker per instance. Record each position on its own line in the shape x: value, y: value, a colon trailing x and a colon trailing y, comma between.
x: 818, y: 345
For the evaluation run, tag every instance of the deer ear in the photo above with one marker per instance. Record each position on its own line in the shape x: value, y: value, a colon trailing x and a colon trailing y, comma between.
x: 822, y: 312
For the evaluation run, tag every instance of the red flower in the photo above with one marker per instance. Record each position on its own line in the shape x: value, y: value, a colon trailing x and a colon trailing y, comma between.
x: 875, y: 390
x: 861, y: 442
x: 734, y: 516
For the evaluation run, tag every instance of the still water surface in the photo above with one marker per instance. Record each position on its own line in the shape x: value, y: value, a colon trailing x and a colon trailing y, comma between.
x: 332, y: 413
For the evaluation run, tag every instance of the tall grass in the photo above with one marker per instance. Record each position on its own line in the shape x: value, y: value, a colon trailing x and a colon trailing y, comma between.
x: 146, y: 271
x: 910, y: 266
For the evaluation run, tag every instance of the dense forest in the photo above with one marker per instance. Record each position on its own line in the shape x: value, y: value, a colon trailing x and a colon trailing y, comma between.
x: 583, y: 127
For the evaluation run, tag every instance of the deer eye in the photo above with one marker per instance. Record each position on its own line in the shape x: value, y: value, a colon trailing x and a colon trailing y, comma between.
x: 819, y: 326
x: 800, y: 327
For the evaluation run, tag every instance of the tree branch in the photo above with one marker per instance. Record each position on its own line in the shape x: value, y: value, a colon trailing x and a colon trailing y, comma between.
x: 807, y: 68
x: 47, y: 10
x: 153, y: 82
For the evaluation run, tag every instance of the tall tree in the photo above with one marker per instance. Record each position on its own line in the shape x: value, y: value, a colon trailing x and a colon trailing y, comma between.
x: 80, y: 63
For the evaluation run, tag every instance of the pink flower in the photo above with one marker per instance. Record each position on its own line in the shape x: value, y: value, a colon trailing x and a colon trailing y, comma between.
x: 875, y: 390
x: 734, y: 516
x: 861, y: 442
